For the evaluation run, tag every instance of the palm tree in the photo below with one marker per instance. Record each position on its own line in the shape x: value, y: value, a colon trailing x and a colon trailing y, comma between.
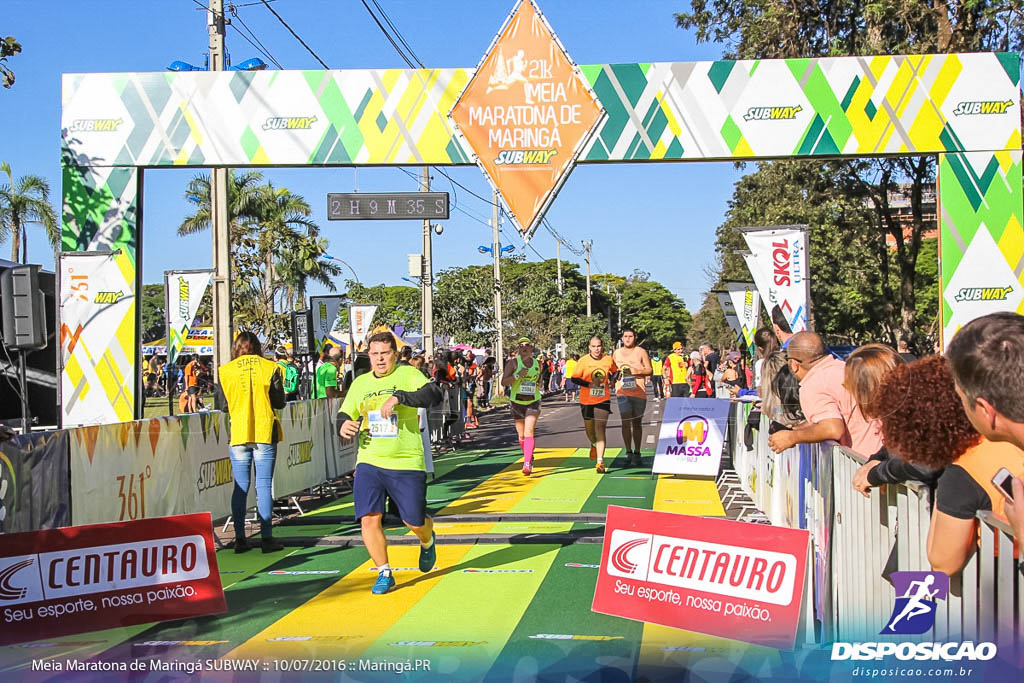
x: 244, y: 203
x: 22, y: 203
x: 290, y: 245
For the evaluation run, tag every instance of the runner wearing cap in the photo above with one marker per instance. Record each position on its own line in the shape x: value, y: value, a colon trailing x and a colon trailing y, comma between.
x: 675, y: 371
x: 594, y: 373
x: 522, y: 374
x: 631, y: 392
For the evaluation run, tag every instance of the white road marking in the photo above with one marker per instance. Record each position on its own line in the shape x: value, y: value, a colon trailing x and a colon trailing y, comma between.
x: 650, y: 438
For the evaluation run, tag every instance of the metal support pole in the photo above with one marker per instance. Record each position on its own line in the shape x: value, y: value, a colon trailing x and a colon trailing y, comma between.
x: 496, y: 248
x: 222, y: 323
x: 428, y: 278
x: 26, y: 423
x: 561, y: 332
x: 586, y: 246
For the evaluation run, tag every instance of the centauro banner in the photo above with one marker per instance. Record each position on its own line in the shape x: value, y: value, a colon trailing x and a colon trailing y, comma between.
x: 527, y: 114
x: 88, y: 578
x: 778, y: 264
x: 325, y: 314
x: 185, y: 291
x: 97, y: 337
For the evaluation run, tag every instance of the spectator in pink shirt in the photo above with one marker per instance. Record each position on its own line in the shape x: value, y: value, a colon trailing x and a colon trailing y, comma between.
x: 831, y: 411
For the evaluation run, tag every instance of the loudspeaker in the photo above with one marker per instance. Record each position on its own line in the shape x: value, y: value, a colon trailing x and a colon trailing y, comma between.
x: 24, y: 315
x: 302, y: 333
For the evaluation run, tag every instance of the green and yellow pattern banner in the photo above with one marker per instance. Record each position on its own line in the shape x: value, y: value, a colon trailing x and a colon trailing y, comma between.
x: 963, y: 107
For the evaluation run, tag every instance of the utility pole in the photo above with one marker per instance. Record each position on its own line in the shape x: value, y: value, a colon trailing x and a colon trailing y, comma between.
x: 428, y: 277
x: 587, y: 244
x: 496, y: 248
x: 222, y: 323
x: 561, y: 330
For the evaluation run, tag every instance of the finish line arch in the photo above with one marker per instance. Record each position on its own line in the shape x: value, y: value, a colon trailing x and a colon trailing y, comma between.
x: 964, y: 108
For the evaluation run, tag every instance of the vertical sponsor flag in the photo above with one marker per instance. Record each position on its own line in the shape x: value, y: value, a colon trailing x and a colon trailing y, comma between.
x: 325, y: 314
x: 729, y: 310
x: 778, y: 264
x: 185, y: 291
x: 746, y: 303
x: 359, y: 319
x: 97, y: 337
x: 691, y: 436
x: 718, y: 577
x: 527, y: 114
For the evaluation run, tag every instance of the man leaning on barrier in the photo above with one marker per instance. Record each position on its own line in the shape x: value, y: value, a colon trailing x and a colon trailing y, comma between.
x: 987, y: 361
x: 832, y: 414
x: 380, y: 407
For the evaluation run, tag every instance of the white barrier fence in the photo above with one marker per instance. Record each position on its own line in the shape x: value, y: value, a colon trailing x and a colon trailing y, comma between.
x: 857, y: 541
x: 176, y: 465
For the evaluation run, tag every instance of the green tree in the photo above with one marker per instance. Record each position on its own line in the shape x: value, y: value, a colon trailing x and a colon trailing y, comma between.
x: 8, y: 48
x: 581, y: 329
x: 276, y: 249
x: 396, y: 305
x: 24, y: 203
x: 773, y: 29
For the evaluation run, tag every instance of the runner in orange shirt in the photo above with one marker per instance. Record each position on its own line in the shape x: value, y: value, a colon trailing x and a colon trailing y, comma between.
x: 192, y: 384
x: 594, y: 373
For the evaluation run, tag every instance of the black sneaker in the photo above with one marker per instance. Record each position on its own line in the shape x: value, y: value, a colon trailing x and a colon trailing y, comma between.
x: 271, y: 545
x: 242, y: 545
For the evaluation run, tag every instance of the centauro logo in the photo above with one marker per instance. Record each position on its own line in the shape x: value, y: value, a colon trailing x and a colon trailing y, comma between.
x: 108, y: 297
x: 983, y: 293
x: 982, y: 108
x: 214, y: 473
x: 289, y: 123
x: 299, y: 453
x: 526, y: 157
x: 772, y: 113
x: 94, y: 125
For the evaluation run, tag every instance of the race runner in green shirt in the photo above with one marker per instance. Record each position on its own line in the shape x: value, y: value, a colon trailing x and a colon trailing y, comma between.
x: 380, y: 407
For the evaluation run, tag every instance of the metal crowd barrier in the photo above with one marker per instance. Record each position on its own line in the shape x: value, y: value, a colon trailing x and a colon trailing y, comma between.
x: 857, y: 541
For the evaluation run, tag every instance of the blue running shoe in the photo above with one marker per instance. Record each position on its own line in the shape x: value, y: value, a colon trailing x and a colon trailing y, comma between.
x: 428, y: 556
x: 385, y: 582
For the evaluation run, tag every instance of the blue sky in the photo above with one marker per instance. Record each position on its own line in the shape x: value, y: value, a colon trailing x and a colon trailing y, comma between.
x: 630, y: 211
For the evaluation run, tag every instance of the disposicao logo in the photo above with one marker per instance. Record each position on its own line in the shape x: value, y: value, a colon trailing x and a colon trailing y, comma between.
x: 914, y: 614
x: 982, y: 108
x: 983, y: 294
x: 289, y: 123
x: 772, y: 113
x: 108, y: 297
x: 916, y: 593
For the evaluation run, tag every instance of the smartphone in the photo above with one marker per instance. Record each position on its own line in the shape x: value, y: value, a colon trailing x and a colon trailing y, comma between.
x: 1004, y: 482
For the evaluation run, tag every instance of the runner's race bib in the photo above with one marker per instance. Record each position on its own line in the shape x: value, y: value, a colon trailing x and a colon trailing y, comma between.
x: 629, y: 382
x: 597, y: 391
x: 528, y: 389
x: 381, y: 427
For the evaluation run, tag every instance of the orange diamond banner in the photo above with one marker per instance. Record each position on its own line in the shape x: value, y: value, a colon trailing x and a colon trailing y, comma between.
x: 526, y: 113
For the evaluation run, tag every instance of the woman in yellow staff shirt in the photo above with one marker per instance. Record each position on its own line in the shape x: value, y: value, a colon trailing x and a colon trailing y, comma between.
x: 253, y: 388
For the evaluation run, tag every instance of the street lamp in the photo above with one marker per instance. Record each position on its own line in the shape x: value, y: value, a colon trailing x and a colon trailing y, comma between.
x: 254, y: 64
x: 332, y: 258
x: 508, y: 249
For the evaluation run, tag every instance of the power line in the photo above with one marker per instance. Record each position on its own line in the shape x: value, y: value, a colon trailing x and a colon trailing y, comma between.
x: 290, y: 30
x: 398, y: 33
x: 388, y: 36
x: 261, y: 47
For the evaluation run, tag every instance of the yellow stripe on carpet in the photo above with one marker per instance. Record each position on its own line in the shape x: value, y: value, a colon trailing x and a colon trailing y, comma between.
x: 688, y: 497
